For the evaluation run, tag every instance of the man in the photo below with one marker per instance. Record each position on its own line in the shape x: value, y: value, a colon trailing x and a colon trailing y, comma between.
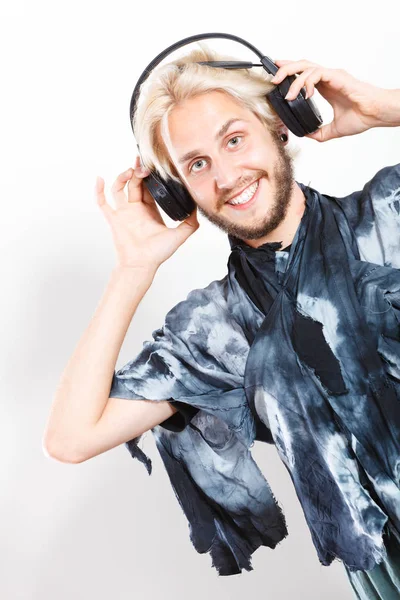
x: 286, y: 349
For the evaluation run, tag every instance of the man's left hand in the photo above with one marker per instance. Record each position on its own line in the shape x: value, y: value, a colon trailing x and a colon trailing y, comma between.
x: 357, y: 105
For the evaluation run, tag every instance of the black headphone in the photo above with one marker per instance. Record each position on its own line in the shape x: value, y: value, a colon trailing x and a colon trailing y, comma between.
x: 301, y: 116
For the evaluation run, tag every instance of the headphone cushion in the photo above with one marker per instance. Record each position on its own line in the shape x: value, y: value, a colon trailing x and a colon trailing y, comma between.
x: 171, y: 196
x: 300, y: 116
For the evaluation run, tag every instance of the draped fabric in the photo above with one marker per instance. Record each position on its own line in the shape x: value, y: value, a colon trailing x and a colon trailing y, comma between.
x: 383, y: 581
x: 300, y: 349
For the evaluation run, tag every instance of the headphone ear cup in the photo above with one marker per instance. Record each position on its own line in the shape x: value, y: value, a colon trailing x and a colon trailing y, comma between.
x: 171, y: 196
x: 300, y: 116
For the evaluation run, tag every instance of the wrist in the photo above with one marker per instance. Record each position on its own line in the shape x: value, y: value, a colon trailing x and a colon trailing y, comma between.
x: 139, y: 274
x: 388, y: 109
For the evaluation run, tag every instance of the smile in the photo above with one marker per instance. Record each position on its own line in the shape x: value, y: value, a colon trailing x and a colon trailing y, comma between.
x: 246, y: 196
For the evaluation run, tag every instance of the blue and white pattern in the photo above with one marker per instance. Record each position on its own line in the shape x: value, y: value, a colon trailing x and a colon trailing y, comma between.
x: 250, y: 367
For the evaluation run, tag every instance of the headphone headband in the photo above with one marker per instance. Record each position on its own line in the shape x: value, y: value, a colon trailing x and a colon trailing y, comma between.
x: 266, y: 62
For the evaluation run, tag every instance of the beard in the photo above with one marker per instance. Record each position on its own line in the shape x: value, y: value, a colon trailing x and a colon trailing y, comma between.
x: 283, y: 181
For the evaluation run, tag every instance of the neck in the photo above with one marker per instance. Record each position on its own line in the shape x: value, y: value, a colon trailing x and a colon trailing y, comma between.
x: 286, y: 230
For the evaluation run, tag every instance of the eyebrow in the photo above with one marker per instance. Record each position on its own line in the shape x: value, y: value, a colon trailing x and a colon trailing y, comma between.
x: 221, y: 132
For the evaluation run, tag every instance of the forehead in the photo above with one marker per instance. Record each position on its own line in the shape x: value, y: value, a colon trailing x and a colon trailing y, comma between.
x: 198, y: 119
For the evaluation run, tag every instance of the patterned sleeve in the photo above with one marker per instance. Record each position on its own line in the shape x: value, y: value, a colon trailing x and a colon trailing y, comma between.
x: 179, y: 420
x: 374, y: 214
x: 195, y: 358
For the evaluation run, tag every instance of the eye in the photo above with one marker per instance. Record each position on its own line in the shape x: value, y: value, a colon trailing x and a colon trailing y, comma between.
x: 193, y: 168
x: 237, y: 138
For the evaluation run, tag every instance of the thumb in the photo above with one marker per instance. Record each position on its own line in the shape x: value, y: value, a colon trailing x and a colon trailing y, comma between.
x: 323, y: 134
x: 187, y: 227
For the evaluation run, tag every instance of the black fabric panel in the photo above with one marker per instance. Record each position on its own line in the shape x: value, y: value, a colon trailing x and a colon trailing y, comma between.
x: 310, y: 345
x: 179, y: 420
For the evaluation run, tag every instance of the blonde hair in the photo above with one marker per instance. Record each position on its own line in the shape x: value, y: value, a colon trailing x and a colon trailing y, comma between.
x: 182, y: 79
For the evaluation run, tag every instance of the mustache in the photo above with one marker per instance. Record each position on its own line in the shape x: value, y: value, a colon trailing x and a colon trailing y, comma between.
x: 242, y: 183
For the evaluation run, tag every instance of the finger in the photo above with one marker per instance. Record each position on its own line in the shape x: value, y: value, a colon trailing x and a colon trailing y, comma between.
x: 279, y: 63
x: 307, y: 80
x: 141, y: 173
x: 117, y: 188
x: 101, y: 198
x: 135, y: 184
x: 152, y: 205
x: 147, y: 197
x: 291, y: 68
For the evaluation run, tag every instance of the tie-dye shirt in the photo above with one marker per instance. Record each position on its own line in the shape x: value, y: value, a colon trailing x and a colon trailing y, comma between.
x: 245, y: 364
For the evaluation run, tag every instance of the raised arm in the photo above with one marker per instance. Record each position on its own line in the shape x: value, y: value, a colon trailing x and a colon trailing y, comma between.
x: 143, y: 243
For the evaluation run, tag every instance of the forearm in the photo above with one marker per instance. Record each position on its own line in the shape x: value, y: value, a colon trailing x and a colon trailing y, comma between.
x: 388, y: 109
x: 83, y: 389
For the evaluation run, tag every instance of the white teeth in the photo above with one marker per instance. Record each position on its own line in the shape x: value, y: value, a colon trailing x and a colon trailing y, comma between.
x: 246, y: 195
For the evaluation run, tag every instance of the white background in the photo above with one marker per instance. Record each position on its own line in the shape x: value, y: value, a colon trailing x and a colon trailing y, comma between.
x: 104, y: 529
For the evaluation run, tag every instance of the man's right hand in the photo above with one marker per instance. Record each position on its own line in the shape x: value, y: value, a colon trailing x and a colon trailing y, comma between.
x: 141, y: 238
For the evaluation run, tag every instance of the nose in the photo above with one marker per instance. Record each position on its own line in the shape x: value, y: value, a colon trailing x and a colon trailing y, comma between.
x: 225, y: 173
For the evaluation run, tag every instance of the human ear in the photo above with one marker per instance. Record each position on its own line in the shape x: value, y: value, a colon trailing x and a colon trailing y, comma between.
x: 283, y: 135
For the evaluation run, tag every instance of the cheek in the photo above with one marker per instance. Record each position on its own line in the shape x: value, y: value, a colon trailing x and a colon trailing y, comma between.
x: 256, y: 155
x: 199, y: 195
x: 201, y: 189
